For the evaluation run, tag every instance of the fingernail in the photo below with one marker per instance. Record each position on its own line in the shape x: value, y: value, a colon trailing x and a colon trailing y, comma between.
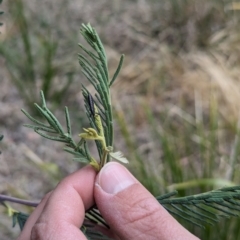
x: 114, y: 178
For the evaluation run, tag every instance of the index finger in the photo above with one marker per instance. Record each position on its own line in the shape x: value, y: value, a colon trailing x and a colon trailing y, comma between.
x: 64, y: 210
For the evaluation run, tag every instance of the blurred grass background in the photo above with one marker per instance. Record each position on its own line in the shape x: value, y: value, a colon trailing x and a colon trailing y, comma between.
x: 176, y: 102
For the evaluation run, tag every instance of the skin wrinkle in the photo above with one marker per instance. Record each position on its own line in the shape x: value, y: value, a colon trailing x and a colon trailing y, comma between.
x: 136, y: 209
x: 145, y: 221
x: 150, y: 232
x: 147, y: 211
x: 136, y: 221
x: 142, y: 220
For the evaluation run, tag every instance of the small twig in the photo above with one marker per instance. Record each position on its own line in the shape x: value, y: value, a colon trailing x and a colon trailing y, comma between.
x: 18, y: 200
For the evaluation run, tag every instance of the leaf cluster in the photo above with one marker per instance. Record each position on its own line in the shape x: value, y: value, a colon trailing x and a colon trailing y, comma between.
x: 53, y: 130
x: 95, y: 69
x: 204, y: 208
x: 98, y: 110
x: 20, y: 219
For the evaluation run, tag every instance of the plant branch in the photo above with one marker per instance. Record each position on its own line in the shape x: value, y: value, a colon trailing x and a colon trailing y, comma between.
x: 18, y: 200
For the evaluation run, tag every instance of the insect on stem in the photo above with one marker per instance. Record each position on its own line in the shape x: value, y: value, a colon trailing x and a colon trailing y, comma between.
x: 91, y: 104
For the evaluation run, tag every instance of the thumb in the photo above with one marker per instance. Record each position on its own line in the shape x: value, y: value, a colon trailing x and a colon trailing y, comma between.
x: 130, y: 210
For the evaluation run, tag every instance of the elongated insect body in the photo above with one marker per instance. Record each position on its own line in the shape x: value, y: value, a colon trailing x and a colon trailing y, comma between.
x: 91, y: 104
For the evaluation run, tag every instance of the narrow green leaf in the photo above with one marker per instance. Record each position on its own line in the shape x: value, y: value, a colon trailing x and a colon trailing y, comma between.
x: 89, y: 79
x: 46, y: 116
x: 185, y: 218
x: 68, y: 122
x: 117, y: 71
x: 93, y: 214
x: 46, y: 129
x: 101, y: 73
x: 33, y: 119
x: 56, y: 122
x: 222, y: 210
x: 58, y: 139
x: 99, y: 99
x: 209, y: 205
x: 44, y: 106
x: 75, y: 153
x: 81, y: 159
x: 201, y: 215
x: 90, y: 54
x: 167, y: 195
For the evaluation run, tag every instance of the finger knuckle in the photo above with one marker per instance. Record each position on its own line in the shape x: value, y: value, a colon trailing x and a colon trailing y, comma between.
x: 142, y: 217
x: 39, y: 231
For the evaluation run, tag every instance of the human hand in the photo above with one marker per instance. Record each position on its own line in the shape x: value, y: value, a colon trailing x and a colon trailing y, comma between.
x: 128, y: 208
x: 61, y: 212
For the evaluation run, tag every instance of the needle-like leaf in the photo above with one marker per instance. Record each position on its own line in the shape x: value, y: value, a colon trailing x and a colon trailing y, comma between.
x: 205, y: 207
